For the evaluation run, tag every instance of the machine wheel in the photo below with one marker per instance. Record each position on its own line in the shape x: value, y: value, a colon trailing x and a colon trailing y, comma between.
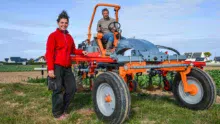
x: 111, y: 98
x: 205, y: 96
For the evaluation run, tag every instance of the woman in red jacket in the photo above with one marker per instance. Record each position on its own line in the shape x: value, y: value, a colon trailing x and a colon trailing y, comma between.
x: 60, y: 45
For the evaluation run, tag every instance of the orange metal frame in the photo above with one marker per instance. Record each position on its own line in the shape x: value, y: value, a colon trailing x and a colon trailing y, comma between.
x: 127, y: 70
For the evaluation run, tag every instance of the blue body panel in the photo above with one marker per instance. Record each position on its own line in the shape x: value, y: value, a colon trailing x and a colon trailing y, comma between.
x: 137, y: 44
x: 139, y: 50
x: 142, y: 50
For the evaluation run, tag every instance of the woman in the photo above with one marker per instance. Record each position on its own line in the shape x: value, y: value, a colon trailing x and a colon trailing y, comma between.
x: 60, y: 45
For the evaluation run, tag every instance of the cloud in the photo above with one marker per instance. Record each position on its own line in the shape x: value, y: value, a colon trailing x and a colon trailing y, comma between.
x: 195, y: 45
x: 162, y: 34
x: 20, y: 45
x: 31, y: 23
x: 169, y: 8
x: 12, y: 35
x: 3, y: 42
x: 24, y: 19
x: 157, y: 17
x: 34, y: 53
x: 23, y: 49
x: 27, y: 23
x: 13, y: 32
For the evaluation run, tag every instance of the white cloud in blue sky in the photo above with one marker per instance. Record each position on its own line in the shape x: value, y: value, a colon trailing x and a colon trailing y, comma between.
x: 187, y: 25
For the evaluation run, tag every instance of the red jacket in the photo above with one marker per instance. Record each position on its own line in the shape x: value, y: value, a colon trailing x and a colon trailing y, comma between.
x: 60, y: 45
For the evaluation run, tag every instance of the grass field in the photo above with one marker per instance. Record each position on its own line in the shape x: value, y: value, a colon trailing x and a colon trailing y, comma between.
x: 18, y: 68
x: 31, y: 103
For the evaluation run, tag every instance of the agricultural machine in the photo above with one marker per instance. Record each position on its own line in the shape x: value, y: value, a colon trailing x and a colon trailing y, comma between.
x: 192, y: 87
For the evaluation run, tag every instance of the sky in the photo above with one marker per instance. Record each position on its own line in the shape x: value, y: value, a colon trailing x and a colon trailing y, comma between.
x: 186, y: 25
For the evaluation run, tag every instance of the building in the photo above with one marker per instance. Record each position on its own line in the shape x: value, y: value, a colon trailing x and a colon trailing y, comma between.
x: 40, y: 59
x: 6, y: 59
x: 15, y: 60
x: 217, y: 59
x: 1, y: 62
x: 196, y: 56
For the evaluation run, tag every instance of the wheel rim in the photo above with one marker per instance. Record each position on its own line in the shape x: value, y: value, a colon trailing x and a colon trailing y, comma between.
x: 190, y: 99
x: 105, y: 98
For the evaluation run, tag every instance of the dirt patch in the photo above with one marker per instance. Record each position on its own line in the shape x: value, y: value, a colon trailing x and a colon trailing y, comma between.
x: 85, y: 112
x: 12, y: 105
x: 218, y: 100
x: 44, y: 120
x: 136, y: 109
x: 19, y: 93
x: 146, y: 121
x: 211, y: 68
x: 79, y: 121
x: 1, y: 89
x: 158, y: 92
x: 15, y: 77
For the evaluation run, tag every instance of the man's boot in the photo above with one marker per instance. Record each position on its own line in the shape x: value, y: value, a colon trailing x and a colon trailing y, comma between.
x: 108, y: 48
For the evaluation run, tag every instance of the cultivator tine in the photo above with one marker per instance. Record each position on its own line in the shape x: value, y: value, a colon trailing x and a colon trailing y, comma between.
x: 160, y: 84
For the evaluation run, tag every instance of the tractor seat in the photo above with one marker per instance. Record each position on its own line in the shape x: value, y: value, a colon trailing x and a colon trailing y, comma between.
x: 94, y: 42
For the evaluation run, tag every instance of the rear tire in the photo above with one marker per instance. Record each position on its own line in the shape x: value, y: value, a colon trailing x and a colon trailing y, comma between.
x: 116, y: 111
x: 206, y: 95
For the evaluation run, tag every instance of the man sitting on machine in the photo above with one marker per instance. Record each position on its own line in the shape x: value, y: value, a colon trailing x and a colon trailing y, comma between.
x: 103, y: 26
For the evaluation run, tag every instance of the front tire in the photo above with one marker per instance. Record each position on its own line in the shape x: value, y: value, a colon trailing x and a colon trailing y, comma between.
x: 111, y: 98
x: 205, y: 96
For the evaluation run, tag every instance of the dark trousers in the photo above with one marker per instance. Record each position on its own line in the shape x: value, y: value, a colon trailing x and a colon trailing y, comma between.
x: 66, y: 88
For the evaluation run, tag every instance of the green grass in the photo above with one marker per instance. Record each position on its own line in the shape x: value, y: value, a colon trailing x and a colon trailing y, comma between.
x: 37, y: 80
x: 215, y: 74
x: 165, y: 110
x: 18, y: 68
x: 31, y: 103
